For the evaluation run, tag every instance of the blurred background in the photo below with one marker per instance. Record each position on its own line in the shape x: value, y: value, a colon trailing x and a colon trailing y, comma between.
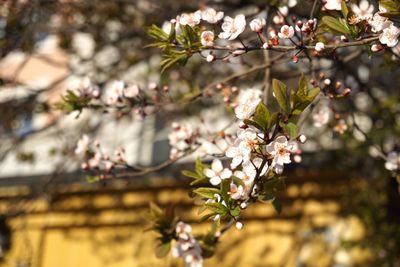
x: 340, y: 206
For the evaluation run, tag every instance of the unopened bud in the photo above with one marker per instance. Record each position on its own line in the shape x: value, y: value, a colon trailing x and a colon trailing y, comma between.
x: 302, y: 138
x: 266, y: 46
x: 243, y: 205
x: 376, y: 47
x: 295, y: 59
x: 338, y: 85
x: 319, y: 47
x: 166, y: 88
x: 210, y: 58
x: 239, y: 225
x: 327, y: 82
x: 297, y: 158
x: 96, y: 93
x: 153, y: 86
x: 344, y: 38
x: 299, y: 24
x: 310, y: 23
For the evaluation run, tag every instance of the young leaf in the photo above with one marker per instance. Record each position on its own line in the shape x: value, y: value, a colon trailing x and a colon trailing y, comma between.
x: 191, y: 174
x: 206, y: 192
x: 262, y: 116
x: 291, y: 129
x: 163, y: 249
x: 276, y: 203
x: 280, y: 91
x: 336, y: 25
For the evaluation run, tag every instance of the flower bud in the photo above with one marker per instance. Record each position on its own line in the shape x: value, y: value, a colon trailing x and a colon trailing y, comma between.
x: 297, y: 158
x: 257, y: 25
x: 344, y: 38
x: 210, y: 58
x: 243, y: 205
x: 239, y: 225
x: 266, y: 46
x: 302, y: 138
x: 153, y: 86
x: 310, y: 23
x: 243, y: 125
x: 327, y: 82
x: 376, y: 47
x: 295, y: 59
x: 299, y: 24
x: 319, y: 47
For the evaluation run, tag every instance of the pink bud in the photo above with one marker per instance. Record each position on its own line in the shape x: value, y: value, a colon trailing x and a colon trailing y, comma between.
x: 302, y: 138
x: 295, y: 59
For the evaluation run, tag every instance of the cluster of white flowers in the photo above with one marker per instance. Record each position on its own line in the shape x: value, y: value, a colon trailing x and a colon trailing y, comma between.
x: 333, y: 4
x: 117, y: 91
x: 85, y: 88
x: 95, y: 158
x: 247, y: 102
x: 187, y: 247
x: 389, y: 33
x: 181, y: 139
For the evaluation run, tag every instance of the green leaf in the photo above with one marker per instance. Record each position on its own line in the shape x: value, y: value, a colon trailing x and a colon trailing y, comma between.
x: 163, y: 249
x: 302, y: 91
x: 217, y: 208
x: 290, y: 129
x: 235, y: 212
x: 312, y: 94
x: 206, y: 192
x: 336, y: 25
x: 191, y: 174
x: 262, y: 116
x: 254, y: 124
x: 199, y: 167
x: 345, y: 10
x: 276, y: 203
x: 273, y: 120
x: 390, y: 5
x: 280, y: 91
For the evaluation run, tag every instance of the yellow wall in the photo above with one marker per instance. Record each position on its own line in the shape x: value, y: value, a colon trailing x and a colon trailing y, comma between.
x: 93, y: 226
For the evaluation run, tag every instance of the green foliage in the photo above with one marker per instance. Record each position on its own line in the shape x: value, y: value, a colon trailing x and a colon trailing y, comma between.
x: 303, y: 97
x: 280, y: 92
x: 176, y: 49
x: 163, y: 223
x: 198, y: 175
x: 261, y: 118
x: 390, y: 5
x: 71, y: 102
x: 337, y: 26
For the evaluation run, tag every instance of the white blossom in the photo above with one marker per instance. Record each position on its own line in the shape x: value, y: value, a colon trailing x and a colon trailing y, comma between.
x: 207, y: 38
x: 191, y: 19
x: 333, y: 4
x: 364, y: 10
x: 393, y: 161
x: 248, y: 101
x: 321, y: 117
x: 257, y: 25
x: 211, y: 15
x: 280, y: 150
x: 378, y: 22
x: 187, y: 247
x: 286, y: 32
x: 217, y: 173
x: 181, y: 138
x: 236, y: 192
x: 115, y: 92
x: 390, y: 36
x: 232, y: 27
